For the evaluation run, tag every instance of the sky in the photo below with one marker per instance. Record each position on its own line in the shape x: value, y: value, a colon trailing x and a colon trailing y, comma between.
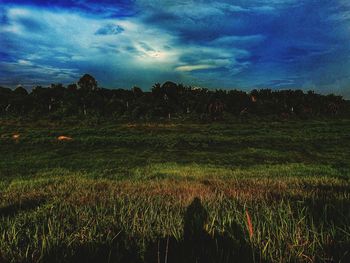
x: 237, y: 44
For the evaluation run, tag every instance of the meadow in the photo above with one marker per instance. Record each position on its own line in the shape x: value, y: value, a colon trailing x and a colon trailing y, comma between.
x: 253, y: 191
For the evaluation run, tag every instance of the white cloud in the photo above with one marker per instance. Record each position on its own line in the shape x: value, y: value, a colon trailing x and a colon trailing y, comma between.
x: 195, y: 67
x: 24, y: 62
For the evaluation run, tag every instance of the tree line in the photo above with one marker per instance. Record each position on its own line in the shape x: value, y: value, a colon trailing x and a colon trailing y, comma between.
x: 169, y: 100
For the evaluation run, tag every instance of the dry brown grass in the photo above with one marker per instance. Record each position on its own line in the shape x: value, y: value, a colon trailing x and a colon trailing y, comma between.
x: 84, y: 191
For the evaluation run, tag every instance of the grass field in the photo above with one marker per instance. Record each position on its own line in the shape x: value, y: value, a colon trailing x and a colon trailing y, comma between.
x: 239, y: 192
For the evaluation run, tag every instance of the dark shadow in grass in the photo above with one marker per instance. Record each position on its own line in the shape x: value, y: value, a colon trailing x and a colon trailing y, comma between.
x: 324, y: 212
x: 329, y: 213
x: 26, y: 205
x: 121, y: 249
x: 196, y: 246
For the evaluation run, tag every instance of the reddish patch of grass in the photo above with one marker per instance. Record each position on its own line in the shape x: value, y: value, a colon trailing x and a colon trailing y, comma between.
x: 250, y: 225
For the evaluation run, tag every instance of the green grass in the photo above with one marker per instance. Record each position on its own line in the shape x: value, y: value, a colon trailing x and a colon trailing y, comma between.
x: 125, y: 192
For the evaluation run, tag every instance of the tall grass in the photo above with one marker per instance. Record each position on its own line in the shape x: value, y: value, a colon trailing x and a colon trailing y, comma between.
x: 273, y: 192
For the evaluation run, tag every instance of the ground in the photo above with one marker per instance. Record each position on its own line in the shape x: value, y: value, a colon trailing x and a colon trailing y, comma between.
x: 259, y: 191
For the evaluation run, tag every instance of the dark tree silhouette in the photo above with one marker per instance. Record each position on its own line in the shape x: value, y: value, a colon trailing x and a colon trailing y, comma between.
x: 20, y: 91
x: 167, y: 101
x: 87, y: 83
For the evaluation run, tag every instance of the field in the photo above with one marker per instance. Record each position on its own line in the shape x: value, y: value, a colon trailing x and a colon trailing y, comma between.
x: 259, y: 191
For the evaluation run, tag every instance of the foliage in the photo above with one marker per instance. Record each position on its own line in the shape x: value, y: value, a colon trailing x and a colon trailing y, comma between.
x: 169, y: 100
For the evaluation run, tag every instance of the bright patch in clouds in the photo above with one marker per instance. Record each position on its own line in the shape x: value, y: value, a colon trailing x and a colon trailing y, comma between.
x: 241, y: 44
x: 53, y: 38
x: 194, y: 67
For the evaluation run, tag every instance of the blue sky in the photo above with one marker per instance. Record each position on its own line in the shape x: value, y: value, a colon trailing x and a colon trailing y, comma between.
x: 242, y: 44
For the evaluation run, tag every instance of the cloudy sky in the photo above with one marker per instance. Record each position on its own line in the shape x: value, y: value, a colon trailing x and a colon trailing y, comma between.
x: 216, y: 44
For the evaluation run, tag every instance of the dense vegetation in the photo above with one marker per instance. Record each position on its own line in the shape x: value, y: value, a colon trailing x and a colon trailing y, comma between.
x: 267, y: 191
x: 165, y: 101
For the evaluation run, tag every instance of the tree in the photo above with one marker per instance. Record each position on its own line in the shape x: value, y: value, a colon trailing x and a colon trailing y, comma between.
x: 87, y: 83
x: 6, y: 95
x: 20, y: 102
x: 71, y: 100
x: 72, y: 87
x: 168, y: 100
x: 20, y: 91
x: 137, y: 92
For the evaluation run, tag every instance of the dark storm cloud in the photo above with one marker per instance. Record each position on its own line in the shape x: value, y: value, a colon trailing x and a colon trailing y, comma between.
x: 242, y: 43
x: 109, y: 29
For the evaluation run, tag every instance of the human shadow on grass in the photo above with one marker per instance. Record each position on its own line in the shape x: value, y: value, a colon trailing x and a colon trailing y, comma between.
x: 196, y: 246
x: 199, y: 246
x: 26, y: 205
